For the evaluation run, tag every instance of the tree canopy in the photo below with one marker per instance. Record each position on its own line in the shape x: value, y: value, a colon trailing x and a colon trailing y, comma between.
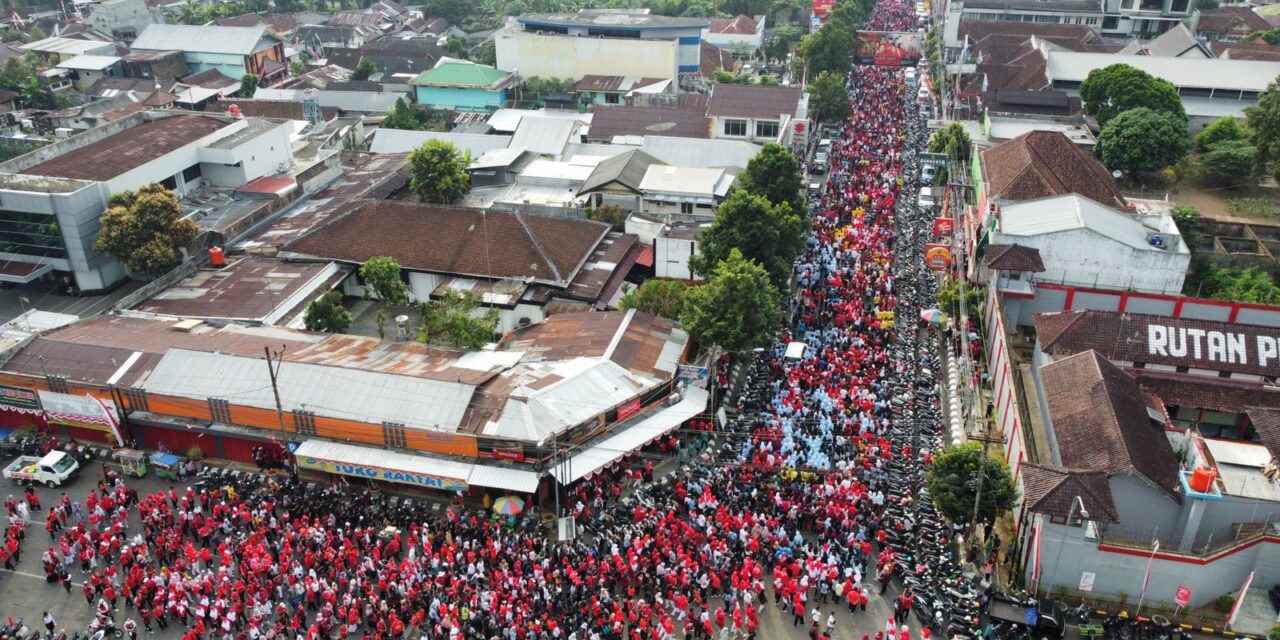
x: 1229, y: 163
x: 830, y: 48
x: 453, y: 320
x: 1235, y: 284
x: 952, y: 140
x: 1264, y: 125
x: 774, y: 174
x: 381, y: 275
x: 1112, y: 90
x: 1143, y: 140
x: 828, y: 99
x: 737, y: 309
x: 327, y: 314
x: 249, y: 85
x: 954, y: 488
x: 660, y: 297
x: 1220, y: 130
x: 769, y: 235
x: 1187, y: 220
x: 144, y: 229
x: 364, y: 69
x: 439, y: 172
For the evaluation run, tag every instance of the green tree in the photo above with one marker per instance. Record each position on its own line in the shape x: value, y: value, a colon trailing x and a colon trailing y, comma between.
x: 1112, y: 90
x: 660, y: 297
x: 828, y: 99
x: 774, y: 174
x: 1269, y: 36
x: 610, y: 214
x: 948, y: 297
x: 1229, y: 162
x: 1140, y: 140
x: 364, y: 70
x: 954, y: 488
x: 1264, y: 125
x: 1222, y: 129
x: 403, y: 115
x: 828, y: 49
x: 452, y: 10
x: 439, y: 172
x: 1233, y: 284
x: 737, y: 309
x: 327, y: 314
x: 248, y: 85
x: 488, y: 53
x: 452, y: 320
x: 456, y: 46
x: 952, y: 140
x: 144, y: 229
x: 1188, y: 221
x: 769, y: 235
x: 381, y: 275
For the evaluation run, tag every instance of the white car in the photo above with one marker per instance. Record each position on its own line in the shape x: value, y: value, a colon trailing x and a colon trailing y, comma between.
x: 928, y: 173
x: 926, y: 201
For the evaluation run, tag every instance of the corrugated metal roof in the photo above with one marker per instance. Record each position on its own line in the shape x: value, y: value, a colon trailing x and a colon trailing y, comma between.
x: 544, y: 135
x: 1209, y: 73
x: 1073, y: 211
x: 694, y: 181
x: 551, y: 397
x: 503, y: 478
x: 349, y: 394
x: 405, y: 141
x: 700, y: 153
x: 88, y: 62
x: 204, y: 39
x: 74, y: 46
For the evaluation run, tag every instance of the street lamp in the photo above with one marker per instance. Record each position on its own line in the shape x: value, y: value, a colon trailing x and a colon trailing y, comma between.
x: 1071, y: 514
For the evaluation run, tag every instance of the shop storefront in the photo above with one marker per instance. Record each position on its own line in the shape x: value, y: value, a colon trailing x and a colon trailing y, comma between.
x: 419, y: 471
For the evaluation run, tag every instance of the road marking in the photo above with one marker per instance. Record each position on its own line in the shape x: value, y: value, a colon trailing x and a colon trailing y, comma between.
x: 37, y: 576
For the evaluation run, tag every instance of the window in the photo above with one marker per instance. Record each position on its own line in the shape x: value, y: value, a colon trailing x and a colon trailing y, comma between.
x: 31, y: 234
x: 1110, y: 22
x: 611, y: 98
x: 767, y: 129
x: 191, y: 173
x: 686, y: 207
x: 735, y: 127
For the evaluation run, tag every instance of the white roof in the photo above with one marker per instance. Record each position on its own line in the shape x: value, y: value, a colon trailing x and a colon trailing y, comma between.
x: 194, y: 95
x: 627, y: 440
x: 693, y: 152
x: 474, y: 474
x: 404, y: 141
x: 544, y: 135
x: 200, y: 38
x: 583, y: 388
x: 337, y: 392
x: 72, y: 46
x: 1073, y: 211
x: 1010, y: 128
x: 692, y: 181
x: 494, y: 158
x: 545, y: 169
x: 1214, y: 73
x: 87, y: 62
x: 506, y: 120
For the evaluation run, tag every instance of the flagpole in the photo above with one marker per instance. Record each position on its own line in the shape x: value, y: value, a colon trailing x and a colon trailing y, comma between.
x: 1235, y: 608
x: 1147, y: 579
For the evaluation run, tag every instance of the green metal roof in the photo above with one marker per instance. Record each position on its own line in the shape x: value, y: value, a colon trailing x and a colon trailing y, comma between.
x: 461, y: 74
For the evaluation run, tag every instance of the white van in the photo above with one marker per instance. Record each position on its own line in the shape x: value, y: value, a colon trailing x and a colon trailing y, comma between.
x: 911, y: 78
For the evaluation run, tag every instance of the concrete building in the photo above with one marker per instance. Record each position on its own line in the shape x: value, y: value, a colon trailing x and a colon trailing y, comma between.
x: 603, y: 42
x: 741, y: 31
x: 88, y: 69
x: 669, y: 245
x: 1083, y: 242
x: 758, y: 114
x: 234, y: 51
x: 684, y: 191
x: 55, y: 196
x: 1115, y: 18
x: 123, y: 19
x: 462, y: 85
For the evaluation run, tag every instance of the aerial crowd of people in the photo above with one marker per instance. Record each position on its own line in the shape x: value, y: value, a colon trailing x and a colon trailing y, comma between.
x: 781, y: 517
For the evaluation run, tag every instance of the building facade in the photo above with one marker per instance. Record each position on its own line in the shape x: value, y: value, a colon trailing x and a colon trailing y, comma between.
x: 600, y: 43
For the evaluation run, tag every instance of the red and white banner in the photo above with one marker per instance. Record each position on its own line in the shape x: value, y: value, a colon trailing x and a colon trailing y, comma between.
x: 1235, y: 608
x: 86, y: 412
x: 1035, y: 556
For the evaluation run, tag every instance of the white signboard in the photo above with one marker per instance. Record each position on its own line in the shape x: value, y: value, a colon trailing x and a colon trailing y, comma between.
x: 1086, y: 580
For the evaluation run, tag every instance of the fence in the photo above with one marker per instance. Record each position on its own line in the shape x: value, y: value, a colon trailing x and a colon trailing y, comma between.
x: 1051, y: 297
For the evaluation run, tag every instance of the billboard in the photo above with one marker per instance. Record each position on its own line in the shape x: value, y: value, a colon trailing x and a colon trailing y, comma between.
x: 890, y: 48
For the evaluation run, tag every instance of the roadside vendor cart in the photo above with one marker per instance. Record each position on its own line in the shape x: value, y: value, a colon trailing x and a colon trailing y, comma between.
x: 166, y: 465
x: 132, y: 462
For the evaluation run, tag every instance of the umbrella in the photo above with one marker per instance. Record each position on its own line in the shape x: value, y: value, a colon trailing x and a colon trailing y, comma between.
x: 933, y: 316
x: 508, y: 505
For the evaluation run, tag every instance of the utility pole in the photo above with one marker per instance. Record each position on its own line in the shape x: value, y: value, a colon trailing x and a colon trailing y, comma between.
x: 274, y: 370
x: 987, y: 438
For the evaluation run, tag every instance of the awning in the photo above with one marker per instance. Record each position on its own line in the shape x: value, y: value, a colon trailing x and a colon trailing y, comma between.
x: 410, y: 468
x: 22, y: 272
x: 632, y: 438
x: 378, y: 464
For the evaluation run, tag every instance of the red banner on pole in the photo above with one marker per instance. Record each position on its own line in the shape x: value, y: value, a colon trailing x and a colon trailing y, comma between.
x: 1183, y: 595
x: 943, y: 227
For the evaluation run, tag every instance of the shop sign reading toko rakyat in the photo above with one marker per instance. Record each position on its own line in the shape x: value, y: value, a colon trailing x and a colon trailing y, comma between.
x: 386, y: 475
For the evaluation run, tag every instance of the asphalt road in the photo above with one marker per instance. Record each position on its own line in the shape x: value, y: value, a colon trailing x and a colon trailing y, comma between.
x: 12, y: 305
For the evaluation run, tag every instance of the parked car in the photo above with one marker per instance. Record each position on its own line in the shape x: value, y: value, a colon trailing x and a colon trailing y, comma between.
x: 52, y: 470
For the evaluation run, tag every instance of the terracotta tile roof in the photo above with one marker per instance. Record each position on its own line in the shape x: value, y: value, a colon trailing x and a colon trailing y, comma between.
x: 752, y: 101
x: 210, y: 79
x: 1245, y: 51
x: 1100, y: 420
x: 740, y: 25
x: 465, y: 242
x: 1053, y: 490
x: 1224, y: 19
x: 1124, y: 337
x: 1266, y: 421
x: 1013, y: 257
x: 712, y: 58
x: 1203, y: 392
x: 159, y: 99
x: 129, y: 149
x: 1038, y: 164
x: 619, y: 120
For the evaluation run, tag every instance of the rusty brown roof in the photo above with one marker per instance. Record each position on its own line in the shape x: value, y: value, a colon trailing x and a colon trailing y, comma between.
x: 1203, y: 392
x: 248, y: 288
x: 742, y: 25
x: 401, y: 358
x: 589, y: 334
x: 278, y: 109
x: 1266, y: 421
x: 1013, y: 257
x: 1101, y: 422
x: 129, y: 149
x: 621, y: 120
x: 1225, y: 19
x: 457, y: 241
x: 1039, y: 164
x: 752, y: 101
x: 1053, y: 490
x: 608, y: 264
